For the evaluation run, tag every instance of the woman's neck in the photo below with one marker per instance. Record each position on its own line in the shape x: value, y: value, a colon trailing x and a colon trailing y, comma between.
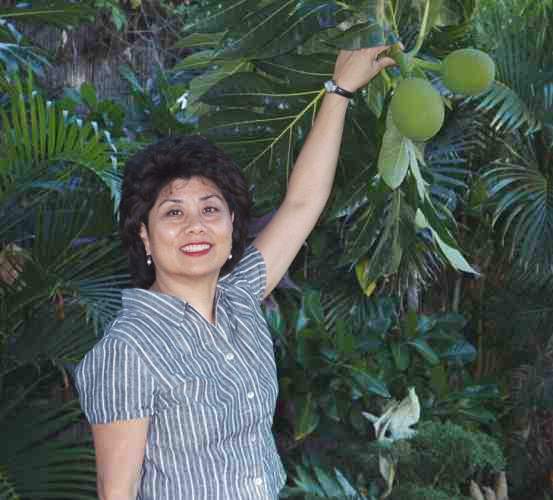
x: 200, y: 294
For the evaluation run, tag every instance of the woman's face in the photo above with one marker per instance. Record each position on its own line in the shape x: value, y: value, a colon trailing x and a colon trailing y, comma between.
x: 189, y: 233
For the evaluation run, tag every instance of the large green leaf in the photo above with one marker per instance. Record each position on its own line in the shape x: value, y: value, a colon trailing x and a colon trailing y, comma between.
x: 424, y: 349
x: 307, y: 418
x: 444, y: 239
x: 259, y: 124
x: 284, y: 25
x: 369, y: 34
x: 395, y: 156
x: 270, y: 29
x: 246, y: 90
x: 370, y: 384
x: 402, y: 358
x: 216, y: 16
x: 303, y: 72
x: 215, y: 70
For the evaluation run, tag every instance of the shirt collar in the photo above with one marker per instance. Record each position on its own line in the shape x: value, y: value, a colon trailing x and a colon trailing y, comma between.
x: 155, y: 304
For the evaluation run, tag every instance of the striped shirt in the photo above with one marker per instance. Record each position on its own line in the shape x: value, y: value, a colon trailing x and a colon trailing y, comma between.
x: 209, y: 390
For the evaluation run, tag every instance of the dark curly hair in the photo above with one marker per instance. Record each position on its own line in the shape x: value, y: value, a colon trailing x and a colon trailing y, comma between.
x: 151, y: 169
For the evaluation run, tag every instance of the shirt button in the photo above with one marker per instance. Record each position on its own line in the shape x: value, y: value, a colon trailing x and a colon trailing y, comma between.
x: 250, y: 395
x: 229, y: 356
x: 258, y: 481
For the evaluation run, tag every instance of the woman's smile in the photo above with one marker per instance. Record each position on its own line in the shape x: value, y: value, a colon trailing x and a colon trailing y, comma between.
x: 196, y: 249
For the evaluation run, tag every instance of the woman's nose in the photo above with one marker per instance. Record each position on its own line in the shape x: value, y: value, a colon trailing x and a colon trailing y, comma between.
x: 195, y: 225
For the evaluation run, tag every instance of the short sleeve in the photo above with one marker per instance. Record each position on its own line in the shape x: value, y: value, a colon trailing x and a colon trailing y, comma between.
x: 250, y: 271
x: 114, y: 383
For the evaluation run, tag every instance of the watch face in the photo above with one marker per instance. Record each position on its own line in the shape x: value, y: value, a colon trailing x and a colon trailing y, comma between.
x: 330, y: 86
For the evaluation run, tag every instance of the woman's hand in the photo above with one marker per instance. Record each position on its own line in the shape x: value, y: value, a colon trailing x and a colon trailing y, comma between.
x: 355, y: 68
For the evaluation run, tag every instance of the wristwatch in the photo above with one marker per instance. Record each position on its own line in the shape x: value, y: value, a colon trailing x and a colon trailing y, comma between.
x: 331, y: 86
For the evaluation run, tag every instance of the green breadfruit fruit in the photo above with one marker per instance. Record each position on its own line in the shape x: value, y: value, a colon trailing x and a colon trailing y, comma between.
x: 417, y: 109
x: 468, y: 71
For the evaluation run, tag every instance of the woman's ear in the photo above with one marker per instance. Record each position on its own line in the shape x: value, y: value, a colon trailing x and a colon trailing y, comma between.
x: 144, y: 237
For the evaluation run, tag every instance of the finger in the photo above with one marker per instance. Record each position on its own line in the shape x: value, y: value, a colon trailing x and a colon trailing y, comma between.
x: 381, y: 48
x: 386, y: 62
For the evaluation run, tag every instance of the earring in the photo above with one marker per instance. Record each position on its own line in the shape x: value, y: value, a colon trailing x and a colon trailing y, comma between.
x: 148, y: 260
x: 230, y: 257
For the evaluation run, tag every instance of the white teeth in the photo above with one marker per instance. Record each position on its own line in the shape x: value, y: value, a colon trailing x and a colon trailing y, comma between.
x: 195, y: 248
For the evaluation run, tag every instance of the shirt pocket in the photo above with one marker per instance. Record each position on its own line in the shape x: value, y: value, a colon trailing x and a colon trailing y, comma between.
x: 193, y: 395
x: 203, y: 391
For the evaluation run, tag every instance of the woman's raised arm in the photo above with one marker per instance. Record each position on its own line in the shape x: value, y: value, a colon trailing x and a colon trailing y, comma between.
x: 312, y: 177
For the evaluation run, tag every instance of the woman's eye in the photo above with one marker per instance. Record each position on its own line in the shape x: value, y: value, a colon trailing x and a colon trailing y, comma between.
x: 211, y: 210
x: 174, y: 212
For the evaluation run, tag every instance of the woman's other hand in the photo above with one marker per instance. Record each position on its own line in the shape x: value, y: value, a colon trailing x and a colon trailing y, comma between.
x: 355, y: 68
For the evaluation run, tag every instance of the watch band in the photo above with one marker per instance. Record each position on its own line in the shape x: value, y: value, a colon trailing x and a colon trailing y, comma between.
x: 331, y: 86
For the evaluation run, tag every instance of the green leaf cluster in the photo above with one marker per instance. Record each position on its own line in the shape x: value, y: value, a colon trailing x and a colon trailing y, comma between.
x: 445, y: 456
x: 61, y: 270
x: 331, y: 371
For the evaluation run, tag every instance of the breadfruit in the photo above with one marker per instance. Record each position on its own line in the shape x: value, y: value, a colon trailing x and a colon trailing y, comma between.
x: 417, y: 109
x: 468, y: 71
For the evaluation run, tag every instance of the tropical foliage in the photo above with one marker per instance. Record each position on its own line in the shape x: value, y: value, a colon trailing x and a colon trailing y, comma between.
x: 60, y: 268
x: 429, y: 270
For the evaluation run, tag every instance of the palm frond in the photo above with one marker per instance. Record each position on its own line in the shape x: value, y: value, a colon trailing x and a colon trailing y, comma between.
x: 313, y: 482
x: 521, y: 96
x: 71, y: 255
x: 40, y: 135
x: 56, y: 12
x: 15, y: 56
x: 39, y: 458
x: 52, y: 334
x: 521, y: 195
x: 509, y: 110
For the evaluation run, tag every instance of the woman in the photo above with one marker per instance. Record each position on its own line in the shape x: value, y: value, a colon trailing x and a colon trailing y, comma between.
x: 181, y: 389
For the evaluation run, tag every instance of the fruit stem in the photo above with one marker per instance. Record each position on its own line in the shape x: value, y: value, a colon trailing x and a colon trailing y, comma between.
x: 435, y: 67
x: 422, y: 32
x: 403, y: 60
